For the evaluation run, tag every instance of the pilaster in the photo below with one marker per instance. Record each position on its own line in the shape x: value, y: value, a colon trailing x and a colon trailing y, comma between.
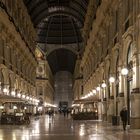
x: 135, y: 111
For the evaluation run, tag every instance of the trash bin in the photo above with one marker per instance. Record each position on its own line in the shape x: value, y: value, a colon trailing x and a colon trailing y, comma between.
x: 115, y: 120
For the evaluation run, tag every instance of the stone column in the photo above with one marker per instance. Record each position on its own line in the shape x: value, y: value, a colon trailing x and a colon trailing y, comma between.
x: 104, y: 104
x: 135, y: 111
x: 110, y: 110
x: 34, y: 109
x: 120, y: 101
x: 104, y: 110
x: 120, y: 98
x: 111, y: 103
x: 100, y: 110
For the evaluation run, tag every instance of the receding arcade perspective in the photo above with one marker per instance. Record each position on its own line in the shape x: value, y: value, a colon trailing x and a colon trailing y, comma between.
x: 69, y: 69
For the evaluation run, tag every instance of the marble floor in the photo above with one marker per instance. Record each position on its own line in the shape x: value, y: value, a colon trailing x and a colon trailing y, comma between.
x: 60, y: 128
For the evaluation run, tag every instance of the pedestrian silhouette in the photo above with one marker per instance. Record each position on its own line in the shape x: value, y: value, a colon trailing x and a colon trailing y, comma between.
x: 124, y: 117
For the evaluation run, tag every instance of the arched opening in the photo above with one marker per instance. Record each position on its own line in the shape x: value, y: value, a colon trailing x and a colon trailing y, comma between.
x: 62, y: 60
x: 63, y: 90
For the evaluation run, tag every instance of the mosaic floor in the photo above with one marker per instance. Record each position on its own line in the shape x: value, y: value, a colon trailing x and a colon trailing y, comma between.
x: 60, y: 128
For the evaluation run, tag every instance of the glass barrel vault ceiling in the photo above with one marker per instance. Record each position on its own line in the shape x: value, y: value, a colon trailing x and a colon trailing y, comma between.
x: 58, y: 22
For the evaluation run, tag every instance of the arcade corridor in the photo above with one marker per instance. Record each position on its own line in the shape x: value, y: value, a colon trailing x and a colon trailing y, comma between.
x: 69, y: 56
x: 60, y: 128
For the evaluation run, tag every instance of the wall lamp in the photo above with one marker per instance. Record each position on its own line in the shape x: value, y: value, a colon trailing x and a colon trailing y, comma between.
x: 111, y: 79
x: 124, y: 71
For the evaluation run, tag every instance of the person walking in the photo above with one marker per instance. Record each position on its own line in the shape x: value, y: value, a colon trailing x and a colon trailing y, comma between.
x: 124, y: 117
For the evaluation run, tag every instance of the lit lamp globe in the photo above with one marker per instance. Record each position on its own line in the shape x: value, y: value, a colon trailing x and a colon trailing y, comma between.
x: 5, y: 90
x: 14, y: 107
x: 91, y: 93
x: 13, y: 93
x: 18, y: 95
x: 94, y: 91
x: 1, y: 107
x: 25, y: 108
x: 98, y: 88
x: 124, y: 71
x: 27, y: 97
x: 103, y: 85
x: 23, y: 96
x: 111, y: 79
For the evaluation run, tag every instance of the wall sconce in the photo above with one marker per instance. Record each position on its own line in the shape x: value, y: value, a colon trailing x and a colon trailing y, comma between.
x: 13, y: 93
x: 1, y: 107
x: 124, y: 71
x: 103, y: 85
x: 30, y: 98
x: 14, y: 107
x: 5, y: 90
x: 23, y: 96
x: 98, y: 88
x: 18, y: 95
x: 25, y: 108
x: 94, y: 91
x: 27, y: 97
x: 111, y: 79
